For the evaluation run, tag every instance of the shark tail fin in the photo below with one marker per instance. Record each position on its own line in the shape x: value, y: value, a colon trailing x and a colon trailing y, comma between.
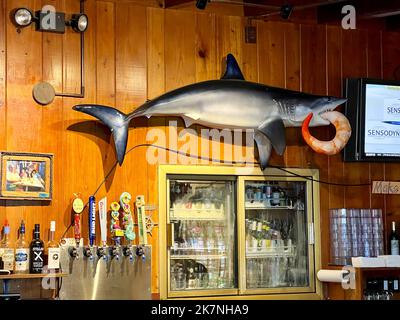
x: 117, y: 121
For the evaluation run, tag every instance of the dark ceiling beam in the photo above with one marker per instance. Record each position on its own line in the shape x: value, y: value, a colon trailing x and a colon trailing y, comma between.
x: 253, y: 11
x: 300, y: 7
x: 172, y: 3
x: 332, y: 13
x: 365, y: 9
x: 393, y: 24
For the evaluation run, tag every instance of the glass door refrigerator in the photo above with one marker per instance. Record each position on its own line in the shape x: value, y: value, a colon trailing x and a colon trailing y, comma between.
x: 238, y: 232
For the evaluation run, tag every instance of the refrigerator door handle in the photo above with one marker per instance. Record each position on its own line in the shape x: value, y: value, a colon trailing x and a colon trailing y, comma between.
x: 311, y: 239
x: 170, y: 235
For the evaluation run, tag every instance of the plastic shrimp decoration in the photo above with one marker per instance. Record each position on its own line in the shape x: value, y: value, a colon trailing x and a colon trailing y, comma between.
x: 334, y: 146
x: 127, y: 223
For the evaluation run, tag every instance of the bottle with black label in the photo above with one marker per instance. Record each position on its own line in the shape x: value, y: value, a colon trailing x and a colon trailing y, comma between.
x: 394, y: 241
x: 36, y: 252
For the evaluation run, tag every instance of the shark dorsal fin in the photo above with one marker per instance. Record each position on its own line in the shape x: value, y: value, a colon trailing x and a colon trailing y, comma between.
x: 232, y: 69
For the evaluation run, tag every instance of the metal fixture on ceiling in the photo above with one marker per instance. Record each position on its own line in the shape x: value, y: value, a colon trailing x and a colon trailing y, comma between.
x: 202, y: 4
x: 285, y: 10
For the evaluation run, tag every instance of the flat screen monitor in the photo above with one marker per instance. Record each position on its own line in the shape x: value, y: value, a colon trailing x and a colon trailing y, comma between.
x: 373, y: 109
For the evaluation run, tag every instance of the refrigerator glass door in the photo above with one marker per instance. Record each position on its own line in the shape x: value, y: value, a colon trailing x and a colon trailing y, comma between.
x: 203, y: 248
x: 276, y: 235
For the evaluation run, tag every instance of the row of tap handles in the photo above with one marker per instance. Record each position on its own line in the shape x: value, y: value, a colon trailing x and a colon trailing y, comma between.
x: 117, y: 232
x: 113, y: 252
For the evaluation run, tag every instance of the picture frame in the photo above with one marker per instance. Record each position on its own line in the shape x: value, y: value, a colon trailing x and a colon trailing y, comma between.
x: 26, y: 176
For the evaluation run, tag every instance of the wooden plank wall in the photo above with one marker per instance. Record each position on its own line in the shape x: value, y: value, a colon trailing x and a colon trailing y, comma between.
x: 134, y: 53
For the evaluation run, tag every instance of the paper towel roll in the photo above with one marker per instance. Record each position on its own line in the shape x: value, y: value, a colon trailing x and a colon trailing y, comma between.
x: 333, y: 276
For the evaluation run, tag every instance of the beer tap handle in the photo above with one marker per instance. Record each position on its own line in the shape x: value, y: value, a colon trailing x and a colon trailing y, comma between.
x: 140, y: 253
x: 73, y: 252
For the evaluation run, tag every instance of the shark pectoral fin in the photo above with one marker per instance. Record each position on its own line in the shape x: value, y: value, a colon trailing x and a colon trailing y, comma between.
x: 232, y: 69
x: 120, y: 135
x: 264, y: 148
x: 274, y: 129
x: 117, y: 121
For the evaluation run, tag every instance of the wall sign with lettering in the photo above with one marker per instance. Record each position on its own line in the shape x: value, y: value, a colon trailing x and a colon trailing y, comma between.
x: 386, y: 187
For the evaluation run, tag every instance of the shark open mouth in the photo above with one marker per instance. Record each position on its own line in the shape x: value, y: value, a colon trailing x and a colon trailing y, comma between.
x: 334, y: 146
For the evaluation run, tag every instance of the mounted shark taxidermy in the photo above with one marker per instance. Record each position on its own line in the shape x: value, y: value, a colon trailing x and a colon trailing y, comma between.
x: 233, y: 103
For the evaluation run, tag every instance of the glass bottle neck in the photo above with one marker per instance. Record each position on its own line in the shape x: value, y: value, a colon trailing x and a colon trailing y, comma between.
x: 51, y: 236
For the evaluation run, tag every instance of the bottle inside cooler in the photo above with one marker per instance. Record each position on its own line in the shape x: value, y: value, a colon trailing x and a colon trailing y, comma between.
x: 203, y: 254
x: 276, y: 234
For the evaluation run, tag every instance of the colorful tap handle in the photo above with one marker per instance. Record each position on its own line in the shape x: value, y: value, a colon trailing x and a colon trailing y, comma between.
x: 92, y: 220
x: 77, y: 229
x: 128, y: 225
x: 141, y: 217
x: 103, y: 220
x: 115, y: 227
x: 77, y: 207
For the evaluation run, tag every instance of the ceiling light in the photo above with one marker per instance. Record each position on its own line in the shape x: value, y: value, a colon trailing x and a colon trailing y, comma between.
x: 286, y: 11
x: 79, y: 22
x: 201, y: 4
x: 23, y: 17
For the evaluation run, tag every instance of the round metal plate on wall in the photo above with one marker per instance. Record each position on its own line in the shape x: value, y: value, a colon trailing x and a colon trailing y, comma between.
x: 43, y: 93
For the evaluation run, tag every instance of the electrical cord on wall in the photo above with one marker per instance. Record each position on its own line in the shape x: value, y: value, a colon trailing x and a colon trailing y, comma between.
x: 213, y: 160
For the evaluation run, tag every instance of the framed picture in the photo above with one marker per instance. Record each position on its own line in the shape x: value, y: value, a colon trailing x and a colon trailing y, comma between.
x: 26, y: 176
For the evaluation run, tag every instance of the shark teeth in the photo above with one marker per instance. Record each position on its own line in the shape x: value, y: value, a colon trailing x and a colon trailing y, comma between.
x: 322, y: 112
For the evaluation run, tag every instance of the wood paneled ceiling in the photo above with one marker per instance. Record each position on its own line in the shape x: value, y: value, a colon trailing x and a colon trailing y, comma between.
x: 324, y: 11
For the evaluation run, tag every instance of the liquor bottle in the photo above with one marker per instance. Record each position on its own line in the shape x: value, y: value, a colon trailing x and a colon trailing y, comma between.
x: 190, y: 275
x: 210, y: 242
x: 201, y: 240
x: 394, y: 240
x: 220, y: 241
x: 253, y: 236
x: 259, y: 235
x: 275, y: 195
x: 6, y: 250
x: 36, y: 253
x: 53, y: 250
x: 21, y: 252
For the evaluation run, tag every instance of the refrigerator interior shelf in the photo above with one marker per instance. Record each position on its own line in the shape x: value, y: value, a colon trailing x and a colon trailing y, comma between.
x: 197, y: 257
x: 271, y: 253
x: 197, y: 214
x: 260, y: 206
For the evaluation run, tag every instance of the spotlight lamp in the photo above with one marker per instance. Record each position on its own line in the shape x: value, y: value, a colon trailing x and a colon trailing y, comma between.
x: 48, y: 21
x: 79, y: 22
x: 22, y: 17
x: 286, y: 11
x: 201, y: 4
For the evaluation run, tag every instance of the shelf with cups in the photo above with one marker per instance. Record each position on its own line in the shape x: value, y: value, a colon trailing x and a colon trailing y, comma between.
x: 196, y: 214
